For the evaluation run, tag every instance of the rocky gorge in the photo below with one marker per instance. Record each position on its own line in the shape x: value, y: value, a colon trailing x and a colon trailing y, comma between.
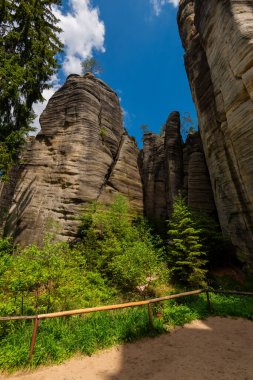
x: 83, y: 153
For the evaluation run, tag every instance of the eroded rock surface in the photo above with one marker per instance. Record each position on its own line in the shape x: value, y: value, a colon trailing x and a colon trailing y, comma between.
x: 218, y: 40
x: 76, y: 158
x: 170, y: 166
x: 83, y: 154
x: 124, y: 176
x: 154, y: 177
x: 196, y: 178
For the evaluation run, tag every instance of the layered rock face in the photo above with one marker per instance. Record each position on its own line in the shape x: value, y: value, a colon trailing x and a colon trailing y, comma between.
x: 196, y: 178
x: 170, y: 166
x: 83, y: 154
x: 218, y: 40
x: 76, y: 158
x: 162, y: 168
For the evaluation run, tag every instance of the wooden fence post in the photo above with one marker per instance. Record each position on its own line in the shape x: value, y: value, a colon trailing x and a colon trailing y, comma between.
x: 150, y: 315
x: 33, y: 341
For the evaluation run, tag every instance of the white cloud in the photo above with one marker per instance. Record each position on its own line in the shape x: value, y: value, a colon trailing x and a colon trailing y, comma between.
x: 39, y: 107
x: 82, y: 32
x: 158, y: 4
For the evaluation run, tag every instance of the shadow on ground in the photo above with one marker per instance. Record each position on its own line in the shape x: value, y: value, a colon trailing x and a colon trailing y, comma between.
x: 214, y: 349
x: 218, y: 348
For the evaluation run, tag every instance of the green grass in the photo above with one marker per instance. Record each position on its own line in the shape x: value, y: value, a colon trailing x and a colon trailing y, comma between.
x: 61, y: 338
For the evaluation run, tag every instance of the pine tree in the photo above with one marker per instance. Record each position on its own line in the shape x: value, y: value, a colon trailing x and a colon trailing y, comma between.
x: 28, y: 45
x: 186, y: 256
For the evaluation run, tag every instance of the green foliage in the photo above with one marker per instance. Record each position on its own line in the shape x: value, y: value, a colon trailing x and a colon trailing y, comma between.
x: 58, y: 339
x: 117, y: 253
x: 186, y: 255
x: 6, y: 247
x: 28, y: 45
x: 234, y: 306
x: 90, y: 64
x: 185, y: 310
x: 37, y: 280
x: 116, y: 249
x: 177, y: 315
x: 120, y: 246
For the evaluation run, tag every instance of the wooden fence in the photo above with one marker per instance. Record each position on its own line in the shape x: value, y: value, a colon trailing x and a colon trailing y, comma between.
x: 149, y: 303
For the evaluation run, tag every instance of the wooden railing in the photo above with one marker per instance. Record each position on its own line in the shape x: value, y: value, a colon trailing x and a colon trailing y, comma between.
x: 149, y: 303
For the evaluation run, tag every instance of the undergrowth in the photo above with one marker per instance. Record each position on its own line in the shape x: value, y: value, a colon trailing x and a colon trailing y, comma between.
x: 61, y: 338
x: 117, y: 258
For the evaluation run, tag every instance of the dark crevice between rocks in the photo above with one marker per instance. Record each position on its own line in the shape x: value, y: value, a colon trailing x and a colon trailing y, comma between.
x: 111, y: 167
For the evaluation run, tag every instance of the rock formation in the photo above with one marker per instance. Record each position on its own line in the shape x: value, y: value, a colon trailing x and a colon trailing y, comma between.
x: 83, y: 154
x: 217, y: 36
x: 162, y: 168
x: 78, y: 157
x: 170, y: 166
x: 153, y: 174
x: 196, y: 178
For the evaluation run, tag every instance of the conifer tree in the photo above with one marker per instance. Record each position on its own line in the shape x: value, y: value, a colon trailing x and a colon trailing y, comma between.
x: 90, y: 64
x: 28, y: 45
x: 186, y: 256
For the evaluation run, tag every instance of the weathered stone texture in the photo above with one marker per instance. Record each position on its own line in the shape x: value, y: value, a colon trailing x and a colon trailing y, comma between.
x: 169, y: 166
x: 154, y: 176
x: 74, y: 159
x: 83, y: 154
x: 124, y: 176
x: 173, y: 158
x: 218, y: 41
x: 197, y: 183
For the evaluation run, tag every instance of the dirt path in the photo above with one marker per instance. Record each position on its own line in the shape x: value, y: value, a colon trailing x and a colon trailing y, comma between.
x: 214, y: 349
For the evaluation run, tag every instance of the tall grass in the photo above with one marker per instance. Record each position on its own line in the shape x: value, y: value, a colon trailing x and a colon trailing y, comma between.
x: 61, y: 338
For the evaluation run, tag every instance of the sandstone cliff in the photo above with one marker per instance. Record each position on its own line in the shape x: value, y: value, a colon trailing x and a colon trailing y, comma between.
x: 76, y: 158
x: 83, y: 154
x: 170, y: 166
x: 217, y: 36
x: 196, y: 178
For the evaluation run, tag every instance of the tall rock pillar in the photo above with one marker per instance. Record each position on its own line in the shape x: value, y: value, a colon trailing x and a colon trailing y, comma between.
x: 173, y: 158
x: 217, y: 36
x: 82, y: 154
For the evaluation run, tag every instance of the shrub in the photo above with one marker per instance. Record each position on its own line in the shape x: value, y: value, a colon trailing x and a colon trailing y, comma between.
x: 120, y: 246
x: 6, y: 247
x: 37, y: 280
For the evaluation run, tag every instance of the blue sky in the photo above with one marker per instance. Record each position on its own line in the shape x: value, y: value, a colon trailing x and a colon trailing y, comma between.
x: 138, y: 46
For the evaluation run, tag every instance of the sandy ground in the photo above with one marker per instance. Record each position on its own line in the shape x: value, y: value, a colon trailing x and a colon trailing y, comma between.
x: 214, y: 349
